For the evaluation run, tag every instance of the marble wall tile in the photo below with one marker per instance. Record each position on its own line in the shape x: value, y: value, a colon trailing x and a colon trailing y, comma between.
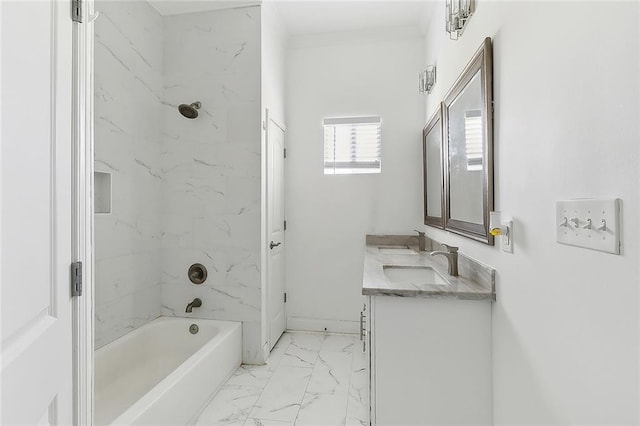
x: 119, y: 316
x: 128, y: 82
x: 211, y: 168
x: 123, y: 275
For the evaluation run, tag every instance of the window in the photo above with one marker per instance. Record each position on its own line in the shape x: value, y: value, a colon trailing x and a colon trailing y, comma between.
x: 351, y: 145
x: 473, y: 139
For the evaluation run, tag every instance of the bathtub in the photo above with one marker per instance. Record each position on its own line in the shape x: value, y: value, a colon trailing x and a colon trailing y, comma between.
x: 161, y: 374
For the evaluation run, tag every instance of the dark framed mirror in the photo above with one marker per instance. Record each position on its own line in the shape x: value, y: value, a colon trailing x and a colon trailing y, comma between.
x: 467, y: 115
x: 433, y: 173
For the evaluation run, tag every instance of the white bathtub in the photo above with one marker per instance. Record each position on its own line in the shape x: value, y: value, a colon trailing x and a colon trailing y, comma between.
x: 161, y: 374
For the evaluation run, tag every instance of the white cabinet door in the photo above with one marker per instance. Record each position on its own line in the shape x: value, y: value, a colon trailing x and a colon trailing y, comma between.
x: 432, y: 361
x: 35, y: 210
x: 370, y: 354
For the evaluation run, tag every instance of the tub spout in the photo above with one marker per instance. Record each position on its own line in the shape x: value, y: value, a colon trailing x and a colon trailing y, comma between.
x: 195, y: 304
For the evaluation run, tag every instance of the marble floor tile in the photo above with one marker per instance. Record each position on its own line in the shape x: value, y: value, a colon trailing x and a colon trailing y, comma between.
x: 263, y: 422
x: 251, y: 375
x: 360, y: 359
x: 278, y: 351
x: 357, y: 412
x: 338, y: 343
x: 359, y: 377
x: 309, y: 379
x: 322, y: 409
x: 231, y: 406
x: 358, y: 401
x: 282, y: 396
x: 308, y: 341
x: 331, y: 373
x: 303, y: 350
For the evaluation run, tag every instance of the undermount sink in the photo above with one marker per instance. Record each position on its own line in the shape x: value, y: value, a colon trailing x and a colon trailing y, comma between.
x: 396, y: 250
x: 416, y: 275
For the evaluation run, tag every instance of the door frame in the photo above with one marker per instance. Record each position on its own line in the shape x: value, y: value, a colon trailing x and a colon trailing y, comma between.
x: 82, y: 250
x: 265, y: 234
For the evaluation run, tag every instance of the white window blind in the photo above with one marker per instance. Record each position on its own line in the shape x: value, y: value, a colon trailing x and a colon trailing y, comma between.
x: 473, y: 139
x: 352, y: 145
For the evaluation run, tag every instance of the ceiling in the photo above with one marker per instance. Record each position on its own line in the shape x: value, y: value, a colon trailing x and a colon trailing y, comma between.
x: 177, y: 7
x: 320, y: 16
x: 326, y: 16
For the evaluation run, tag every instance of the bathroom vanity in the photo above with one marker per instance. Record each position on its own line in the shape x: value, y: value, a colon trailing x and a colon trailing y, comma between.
x: 428, y: 335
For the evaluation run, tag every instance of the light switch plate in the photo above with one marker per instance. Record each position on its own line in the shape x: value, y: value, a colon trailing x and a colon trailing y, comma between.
x: 589, y: 223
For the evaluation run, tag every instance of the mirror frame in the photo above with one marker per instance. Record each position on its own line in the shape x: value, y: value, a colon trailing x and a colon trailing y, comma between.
x: 435, y: 122
x: 482, y: 61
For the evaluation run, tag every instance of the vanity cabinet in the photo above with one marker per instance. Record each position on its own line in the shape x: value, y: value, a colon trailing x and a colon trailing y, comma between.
x: 430, y: 360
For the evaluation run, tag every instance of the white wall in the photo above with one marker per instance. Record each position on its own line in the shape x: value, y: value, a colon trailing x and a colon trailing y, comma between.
x: 273, y: 61
x: 212, y: 169
x: 350, y: 74
x: 128, y: 82
x: 272, y: 70
x: 565, y: 324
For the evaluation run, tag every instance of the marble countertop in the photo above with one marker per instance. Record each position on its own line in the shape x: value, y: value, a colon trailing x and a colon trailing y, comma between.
x: 474, y: 282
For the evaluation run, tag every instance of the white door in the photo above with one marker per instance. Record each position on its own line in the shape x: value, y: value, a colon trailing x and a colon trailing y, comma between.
x: 35, y: 212
x: 275, y: 231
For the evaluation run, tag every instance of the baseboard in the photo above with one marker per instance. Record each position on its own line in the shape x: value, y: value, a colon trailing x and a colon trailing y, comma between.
x: 322, y: 324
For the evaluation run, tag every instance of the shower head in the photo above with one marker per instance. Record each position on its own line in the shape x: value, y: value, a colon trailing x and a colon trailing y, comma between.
x: 190, y: 111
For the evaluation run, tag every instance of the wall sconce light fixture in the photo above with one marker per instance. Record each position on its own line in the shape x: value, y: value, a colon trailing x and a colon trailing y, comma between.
x: 427, y: 79
x: 458, y: 14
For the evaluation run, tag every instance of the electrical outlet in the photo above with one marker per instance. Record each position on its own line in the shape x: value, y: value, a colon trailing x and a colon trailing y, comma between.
x: 507, y: 240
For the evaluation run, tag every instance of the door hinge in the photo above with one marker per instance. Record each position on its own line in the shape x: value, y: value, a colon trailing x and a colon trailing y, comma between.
x: 285, y: 153
x: 285, y: 225
x: 76, y: 279
x: 76, y: 11
x: 285, y: 298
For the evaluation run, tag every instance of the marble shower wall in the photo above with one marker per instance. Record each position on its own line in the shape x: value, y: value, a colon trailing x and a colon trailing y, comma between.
x: 211, y: 168
x: 128, y: 93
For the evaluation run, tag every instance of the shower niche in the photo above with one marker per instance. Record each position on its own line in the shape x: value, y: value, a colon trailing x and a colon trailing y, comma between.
x: 102, y: 192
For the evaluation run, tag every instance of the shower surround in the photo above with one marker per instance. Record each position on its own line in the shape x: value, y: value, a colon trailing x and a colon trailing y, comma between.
x: 193, y: 187
x: 128, y: 93
x: 211, y: 168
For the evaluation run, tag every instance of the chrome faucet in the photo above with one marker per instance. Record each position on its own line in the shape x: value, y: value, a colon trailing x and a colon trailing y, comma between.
x: 452, y: 256
x: 421, y: 241
x: 195, y: 304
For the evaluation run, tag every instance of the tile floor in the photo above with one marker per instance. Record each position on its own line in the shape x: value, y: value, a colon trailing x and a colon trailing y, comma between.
x: 309, y: 379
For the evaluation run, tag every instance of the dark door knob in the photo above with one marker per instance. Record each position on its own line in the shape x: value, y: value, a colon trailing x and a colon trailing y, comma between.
x: 272, y: 244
